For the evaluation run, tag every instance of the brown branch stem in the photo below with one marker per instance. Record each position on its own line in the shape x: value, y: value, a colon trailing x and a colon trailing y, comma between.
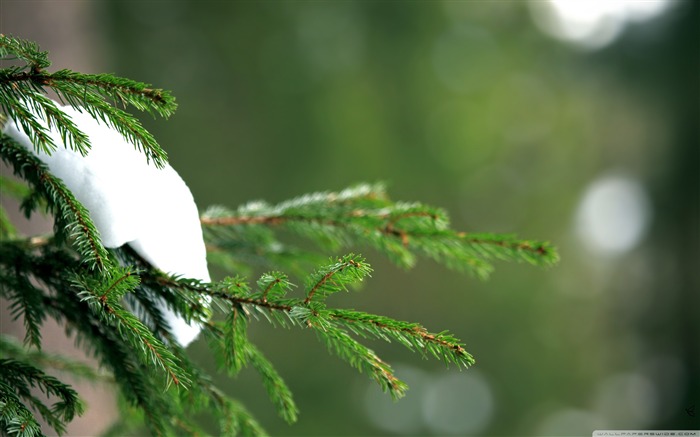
x: 41, y: 77
x: 148, y: 344
x: 103, y: 298
x: 46, y: 179
x: 415, y: 330
x: 520, y: 245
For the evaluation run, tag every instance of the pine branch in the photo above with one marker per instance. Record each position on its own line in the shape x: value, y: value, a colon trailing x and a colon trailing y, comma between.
x: 412, y: 335
x: 336, y: 277
x: 7, y: 229
x: 15, y: 418
x: 17, y: 190
x: 137, y: 382
x: 236, y: 420
x: 277, y: 389
x: 365, y: 214
x: 331, y: 325
x: 24, y: 297
x: 50, y: 264
x: 13, y: 48
x: 19, y: 97
x: 357, y: 355
x: 72, y: 217
x: 10, y: 348
x: 103, y: 298
x: 23, y: 87
x: 21, y: 377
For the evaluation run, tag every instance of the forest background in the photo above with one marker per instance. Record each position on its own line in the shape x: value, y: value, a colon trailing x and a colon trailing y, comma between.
x: 472, y: 106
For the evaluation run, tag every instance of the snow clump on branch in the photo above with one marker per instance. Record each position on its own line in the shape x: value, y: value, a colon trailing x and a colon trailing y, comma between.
x: 131, y: 202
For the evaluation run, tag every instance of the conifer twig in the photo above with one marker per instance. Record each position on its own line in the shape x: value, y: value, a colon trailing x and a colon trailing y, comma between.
x: 27, y: 51
x: 73, y: 215
x: 329, y: 324
x: 13, y: 349
x: 24, y: 86
x: 365, y: 214
x: 104, y: 296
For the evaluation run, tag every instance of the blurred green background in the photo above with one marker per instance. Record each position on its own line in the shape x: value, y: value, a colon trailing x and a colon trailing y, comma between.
x: 581, y: 132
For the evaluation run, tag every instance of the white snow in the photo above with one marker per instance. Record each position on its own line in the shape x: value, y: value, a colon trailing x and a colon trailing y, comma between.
x: 131, y: 202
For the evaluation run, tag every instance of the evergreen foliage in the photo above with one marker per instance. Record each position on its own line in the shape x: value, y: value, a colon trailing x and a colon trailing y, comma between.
x: 107, y: 298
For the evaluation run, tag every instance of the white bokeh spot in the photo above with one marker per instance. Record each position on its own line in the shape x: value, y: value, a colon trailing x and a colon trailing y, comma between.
x: 613, y: 215
x: 592, y: 24
x: 459, y: 404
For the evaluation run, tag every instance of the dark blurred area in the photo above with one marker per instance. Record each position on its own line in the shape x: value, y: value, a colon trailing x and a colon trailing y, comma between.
x: 574, y: 122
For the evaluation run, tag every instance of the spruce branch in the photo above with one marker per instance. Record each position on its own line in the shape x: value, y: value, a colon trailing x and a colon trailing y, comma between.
x: 121, y: 121
x: 7, y: 228
x: 15, y: 418
x: 13, y: 188
x: 365, y: 214
x: 237, y: 420
x: 23, y: 296
x: 145, y: 304
x: 356, y: 354
x: 230, y: 341
x: 49, y: 264
x: 73, y: 219
x: 11, y: 348
x: 103, y: 297
x: 16, y: 105
x: 19, y: 286
x: 25, y: 302
x: 21, y: 377
x: 120, y: 90
x: 28, y: 51
x: 138, y: 383
x: 332, y: 326
x: 277, y: 390
x: 336, y: 277
x: 412, y: 335
x: 235, y: 341
x: 24, y: 87
x: 234, y: 418
x: 17, y: 190
x: 274, y: 285
x: 228, y: 338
